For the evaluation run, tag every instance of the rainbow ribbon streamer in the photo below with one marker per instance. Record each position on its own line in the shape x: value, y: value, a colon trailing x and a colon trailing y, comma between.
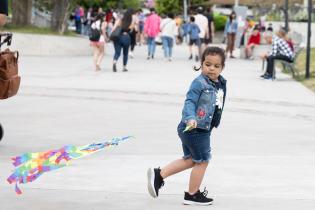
x: 30, y: 166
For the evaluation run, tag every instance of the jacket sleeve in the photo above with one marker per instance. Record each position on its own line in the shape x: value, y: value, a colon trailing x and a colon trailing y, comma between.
x: 191, y: 102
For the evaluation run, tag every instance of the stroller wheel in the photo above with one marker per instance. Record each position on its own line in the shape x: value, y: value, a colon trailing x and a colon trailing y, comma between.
x: 1, y: 132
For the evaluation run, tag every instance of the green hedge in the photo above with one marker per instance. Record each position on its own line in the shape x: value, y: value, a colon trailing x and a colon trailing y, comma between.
x: 219, y: 22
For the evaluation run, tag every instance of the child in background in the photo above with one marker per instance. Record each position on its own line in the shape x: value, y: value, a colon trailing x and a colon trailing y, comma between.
x: 201, y: 113
x: 194, y: 39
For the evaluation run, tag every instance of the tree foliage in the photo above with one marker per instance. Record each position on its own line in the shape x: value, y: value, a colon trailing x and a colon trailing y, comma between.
x: 166, y: 6
x: 122, y: 4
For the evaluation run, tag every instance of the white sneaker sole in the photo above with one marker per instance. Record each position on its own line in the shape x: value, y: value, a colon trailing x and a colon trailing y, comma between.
x: 151, y: 189
x: 185, y: 202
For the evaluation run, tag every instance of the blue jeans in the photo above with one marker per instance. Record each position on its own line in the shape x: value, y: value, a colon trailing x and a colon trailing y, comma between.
x: 151, y: 46
x: 167, y: 46
x: 123, y: 42
x: 195, y: 143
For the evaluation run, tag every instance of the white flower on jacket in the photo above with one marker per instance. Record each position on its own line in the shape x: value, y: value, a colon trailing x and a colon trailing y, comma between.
x: 219, y: 99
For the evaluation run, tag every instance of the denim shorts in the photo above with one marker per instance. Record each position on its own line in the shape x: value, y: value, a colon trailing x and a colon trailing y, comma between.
x: 195, y: 143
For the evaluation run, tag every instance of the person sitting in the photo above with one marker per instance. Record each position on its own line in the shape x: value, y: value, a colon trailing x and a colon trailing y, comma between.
x: 280, y: 51
x: 253, y: 40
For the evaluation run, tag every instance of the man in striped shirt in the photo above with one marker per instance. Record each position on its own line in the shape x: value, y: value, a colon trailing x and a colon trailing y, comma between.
x: 280, y: 51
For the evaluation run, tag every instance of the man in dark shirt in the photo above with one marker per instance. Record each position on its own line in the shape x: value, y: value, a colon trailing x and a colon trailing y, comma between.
x: 3, y: 11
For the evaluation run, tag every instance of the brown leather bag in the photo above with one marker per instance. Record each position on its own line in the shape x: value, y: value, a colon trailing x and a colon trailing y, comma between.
x: 9, y: 78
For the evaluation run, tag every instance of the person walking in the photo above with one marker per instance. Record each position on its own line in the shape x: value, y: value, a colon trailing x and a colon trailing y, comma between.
x: 230, y: 31
x: 152, y: 29
x: 202, y: 112
x: 168, y: 32
x: 98, y: 26
x: 202, y: 23
x: 194, y: 39
x: 133, y: 33
x: 124, y: 40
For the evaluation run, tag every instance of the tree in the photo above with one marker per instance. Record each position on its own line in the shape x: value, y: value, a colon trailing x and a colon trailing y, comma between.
x: 166, y: 6
x: 60, y: 14
x: 134, y: 4
x: 21, y: 12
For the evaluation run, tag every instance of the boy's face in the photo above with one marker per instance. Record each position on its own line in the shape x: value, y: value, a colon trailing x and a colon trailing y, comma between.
x: 212, y: 67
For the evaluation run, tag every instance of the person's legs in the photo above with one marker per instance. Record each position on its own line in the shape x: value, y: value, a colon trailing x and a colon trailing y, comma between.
x: 196, y: 177
x: 150, y: 41
x: 165, y: 46
x: 270, y: 65
x: 95, y: 56
x: 232, y: 44
x: 247, y: 51
x: 100, y: 55
x: 3, y: 19
x: 228, y: 43
x: 176, y: 166
x: 171, y: 44
x: 118, y: 47
x: 191, y: 43
x: 153, y: 48
x: 132, y: 42
x: 125, y: 40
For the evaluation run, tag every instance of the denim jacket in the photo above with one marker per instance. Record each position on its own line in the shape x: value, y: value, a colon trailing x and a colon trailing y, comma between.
x: 201, y: 99
x: 233, y: 25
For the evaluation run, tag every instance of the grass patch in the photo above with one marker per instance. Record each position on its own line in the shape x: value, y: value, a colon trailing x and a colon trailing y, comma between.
x: 35, y: 30
x: 300, y: 66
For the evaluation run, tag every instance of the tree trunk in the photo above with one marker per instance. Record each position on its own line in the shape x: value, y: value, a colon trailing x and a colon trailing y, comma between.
x: 60, y: 15
x: 22, y: 12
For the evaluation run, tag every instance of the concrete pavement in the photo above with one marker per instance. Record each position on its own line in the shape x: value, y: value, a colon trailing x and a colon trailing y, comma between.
x: 263, y: 153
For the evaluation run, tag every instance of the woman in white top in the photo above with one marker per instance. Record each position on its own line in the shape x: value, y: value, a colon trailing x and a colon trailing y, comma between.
x: 99, y: 46
x: 168, y: 32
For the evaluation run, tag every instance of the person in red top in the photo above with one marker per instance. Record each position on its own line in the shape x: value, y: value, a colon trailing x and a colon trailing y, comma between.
x: 253, y: 40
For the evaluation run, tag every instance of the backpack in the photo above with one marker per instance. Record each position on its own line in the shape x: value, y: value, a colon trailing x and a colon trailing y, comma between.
x: 95, y: 35
x: 9, y: 78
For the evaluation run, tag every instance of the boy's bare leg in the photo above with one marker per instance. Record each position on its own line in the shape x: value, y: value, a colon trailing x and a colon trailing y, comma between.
x: 176, y: 166
x: 3, y: 19
x: 196, y: 177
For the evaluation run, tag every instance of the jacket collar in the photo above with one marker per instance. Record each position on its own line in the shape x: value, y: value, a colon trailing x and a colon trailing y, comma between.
x: 209, y: 81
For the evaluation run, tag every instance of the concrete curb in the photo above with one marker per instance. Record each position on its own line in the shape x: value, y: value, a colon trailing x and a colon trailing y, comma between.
x: 50, y: 45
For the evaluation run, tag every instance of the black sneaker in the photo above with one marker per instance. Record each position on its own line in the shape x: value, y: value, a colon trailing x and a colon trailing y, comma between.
x: 114, y: 67
x: 155, y: 181
x: 199, y: 198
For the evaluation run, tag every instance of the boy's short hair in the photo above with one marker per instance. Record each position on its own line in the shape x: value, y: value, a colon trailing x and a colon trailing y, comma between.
x: 192, y: 19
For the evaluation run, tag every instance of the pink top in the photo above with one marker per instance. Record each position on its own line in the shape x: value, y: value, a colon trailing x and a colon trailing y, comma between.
x: 152, y: 25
